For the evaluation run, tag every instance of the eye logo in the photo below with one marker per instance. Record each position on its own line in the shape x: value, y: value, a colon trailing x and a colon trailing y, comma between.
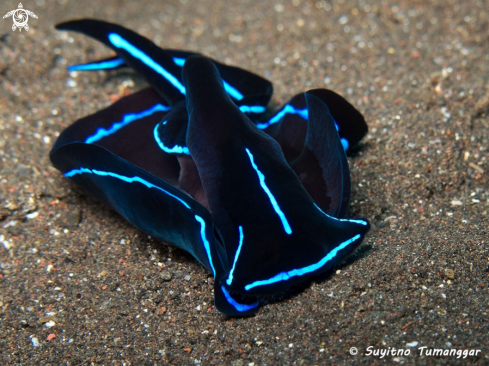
x: 20, y: 17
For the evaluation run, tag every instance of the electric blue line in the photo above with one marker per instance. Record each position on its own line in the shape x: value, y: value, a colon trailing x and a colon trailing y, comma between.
x: 74, y: 172
x: 77, y: 171
x: 120, y: 42
x: 101, y: 65
x: 178, y: 61
x: 284, y: 276
x: 229, y: 89
x: 174, y: 150
x: 361, y: 222
x: 241, y: 237
x: 206, y: 242
x: 273, y: 201
x: 110, y: 64
x: 126, y: 119
x: 287, y: 109
x: 252, y: 108
x: 240, y: 307
x: 304, y: 113
x: 232, y: 91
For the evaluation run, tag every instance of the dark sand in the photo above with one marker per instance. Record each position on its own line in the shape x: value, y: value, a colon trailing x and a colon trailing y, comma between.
x: 73, y: 270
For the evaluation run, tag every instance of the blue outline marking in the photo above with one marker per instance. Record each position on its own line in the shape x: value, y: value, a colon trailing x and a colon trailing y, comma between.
x: 273, y: 201
x: 241, y: 237
x: 240, y: 307
x: 284, y: 276
x: 229, y: 89
x: 179, y: 61
x: 232, y: 91
x: 77, y: 171
x: 287, y: 109
x: 290, y: 109
x: 361, y: 222
x: 135, y: 52
x: 101, y: 65
x: 111, y: 64
x: 252, y: 108
x: 81, y: 170
x: 174, y: 150
x: 126, y: 119
x: 206, y: 242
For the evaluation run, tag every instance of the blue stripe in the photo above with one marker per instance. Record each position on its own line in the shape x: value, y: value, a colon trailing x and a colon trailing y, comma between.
x: 110, y: 64
x: 241, y: 237
x: 304, y: 113
x: 252, y: 108
x: 178, y: 61
x: 273, y: 201
x: 232, y: 91
x: 77, y: 171
x: 120, y: 42
x: 361, y: 222
x: 287, y: 109
x: 126, y: 119
x: 229, y: 89
x: 284, y: 276
x: 205, y: 242
x: 199, y: 219
x: 174, y: 150
x: 101, y: 65
x: 74, y: 172
x: 240, y: 307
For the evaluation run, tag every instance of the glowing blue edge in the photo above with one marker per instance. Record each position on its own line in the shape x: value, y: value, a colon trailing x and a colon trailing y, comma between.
x: 126, y: 119
x: 241, y: 237
x: 240, y: 307
x: 81, y: 170
x: 229, y: 89
x: 361, y: 222
x: 252, y: 108
x: 284, y: 276
x: 111, y: 64
x: 273, y: 201
x: 179, y: 61
x: 120, y: 42
x: 174, y: 150
x: 232, y: 91
x: 287, y: 109
x: 205, y: 242
x: 101, y: 65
